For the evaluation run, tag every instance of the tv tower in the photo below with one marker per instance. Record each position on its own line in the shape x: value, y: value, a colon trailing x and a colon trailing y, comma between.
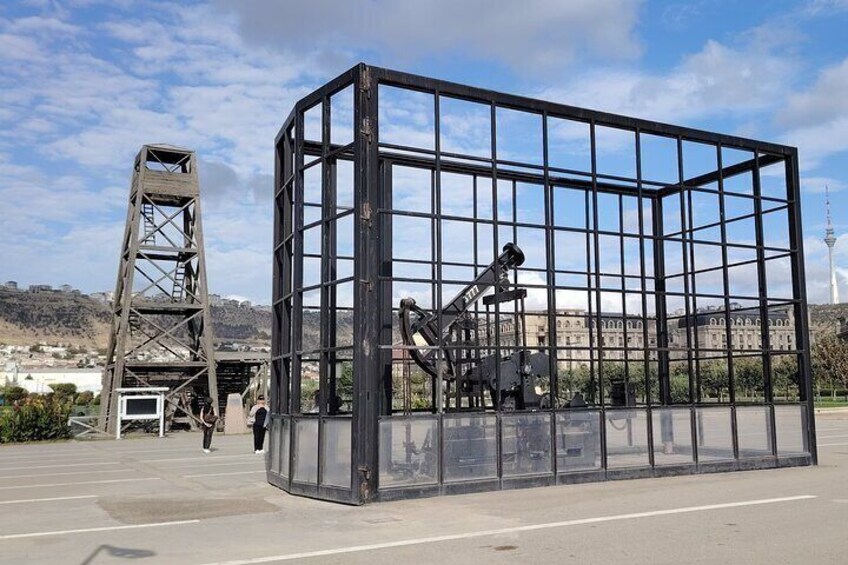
x: 830, y: 241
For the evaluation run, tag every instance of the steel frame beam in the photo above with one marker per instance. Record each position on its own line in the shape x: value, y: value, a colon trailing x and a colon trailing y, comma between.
x: 372, y: 267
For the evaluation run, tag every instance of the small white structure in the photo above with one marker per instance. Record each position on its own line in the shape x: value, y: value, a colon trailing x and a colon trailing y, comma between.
x: 145, y: 403
x: 39, y: 380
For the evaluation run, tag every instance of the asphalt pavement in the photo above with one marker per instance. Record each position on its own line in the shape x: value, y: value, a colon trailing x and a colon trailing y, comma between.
x: 154, y: 501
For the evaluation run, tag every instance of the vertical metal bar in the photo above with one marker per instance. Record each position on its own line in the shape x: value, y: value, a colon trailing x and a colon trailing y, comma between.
x: 799, y: 294
x: 436, y: 255
x: 661, y: 302
x: 644, y: 316
x: 597, y: 270
x: 646, y: 349
x: 727, y: 321
x: 325, y: 312
x: 481, y: 397
x: 622, y: 280
x: 297, y: 270
x: 762, y: 289
x: 495, y: 253
x: 550, y: 265
x: 589, y: 320
x: 692, y: 315
x: 386, y: 272
x: 279, y: 272
x: 498, y: 422
x: 297, y: 286
x: 367, y: 374
x: 332, y: 286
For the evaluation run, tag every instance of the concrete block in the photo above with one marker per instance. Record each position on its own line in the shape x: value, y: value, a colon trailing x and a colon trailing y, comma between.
x: 235, y: 421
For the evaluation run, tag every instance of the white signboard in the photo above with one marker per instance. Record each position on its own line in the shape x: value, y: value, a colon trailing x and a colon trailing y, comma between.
x: 141, y: 404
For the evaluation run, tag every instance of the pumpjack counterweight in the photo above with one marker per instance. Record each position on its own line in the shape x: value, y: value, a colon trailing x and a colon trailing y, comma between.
x: 161, y: 332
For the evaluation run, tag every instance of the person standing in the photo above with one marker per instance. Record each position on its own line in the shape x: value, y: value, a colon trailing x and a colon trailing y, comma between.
x: 257, y: 419
x: 208, y: 419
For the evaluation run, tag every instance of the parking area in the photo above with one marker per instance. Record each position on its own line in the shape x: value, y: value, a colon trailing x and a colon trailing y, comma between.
x: 157, y: 500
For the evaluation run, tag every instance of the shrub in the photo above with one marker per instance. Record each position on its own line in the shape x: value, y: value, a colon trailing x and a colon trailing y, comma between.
x: 35, y: 419
x: 64, y: 392
x: 12, y: 394
x: 85, y: 398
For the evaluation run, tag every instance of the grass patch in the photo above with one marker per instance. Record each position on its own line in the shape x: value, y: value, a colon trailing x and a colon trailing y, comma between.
x: 830, y: 403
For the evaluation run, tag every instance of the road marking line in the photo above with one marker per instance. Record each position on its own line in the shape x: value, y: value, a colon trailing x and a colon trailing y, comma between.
x: 27, y: 468
x: 222, y: 474
x: 205, y: 465
x: 832, y: 444
x: 501, y: 531
x: 164, y: 451
x: 83, y: 483
x: 47, y: 499
x: 99, y: 472
x: 200, y: 458
x: 103, y: 529
x: 48, y: 455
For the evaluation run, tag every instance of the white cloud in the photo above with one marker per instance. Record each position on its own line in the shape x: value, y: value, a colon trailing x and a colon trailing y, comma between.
x: 817, y: 118
x: 718, y: 80
x: 535, y: 34
x: 816, y: 185
x: 825, y: 7
x: 73, y: 114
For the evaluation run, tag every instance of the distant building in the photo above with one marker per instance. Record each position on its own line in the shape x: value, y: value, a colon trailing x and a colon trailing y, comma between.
x: 745, y: 330
x: 66, y: 288
x: 618, y: 332
x: 11, y: 285
x: 37, y: 288
x: 39, y: 380
x: 9, y: 374
x: 245, y: 304
x: 214, y: 299
x: 575, y: 331
x: 102, y: 296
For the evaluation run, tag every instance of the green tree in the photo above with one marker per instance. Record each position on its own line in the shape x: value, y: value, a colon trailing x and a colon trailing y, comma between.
x: 785, y: 377
x: 64, y: 392
x: 714, y: 380
x: 748, y: 373
x: 344, y: 383
x: 830, y: 363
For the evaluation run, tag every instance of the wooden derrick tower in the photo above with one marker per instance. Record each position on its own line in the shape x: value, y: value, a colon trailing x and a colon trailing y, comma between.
x: 161, y: 322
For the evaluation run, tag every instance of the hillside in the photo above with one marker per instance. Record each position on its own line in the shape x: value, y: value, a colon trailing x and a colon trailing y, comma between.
x: 27, y: 318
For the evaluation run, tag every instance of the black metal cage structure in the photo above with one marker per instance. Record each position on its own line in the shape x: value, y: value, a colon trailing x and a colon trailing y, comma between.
x: 478, y: 291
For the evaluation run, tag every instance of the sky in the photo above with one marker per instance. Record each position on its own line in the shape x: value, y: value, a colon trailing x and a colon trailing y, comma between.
x: 85, y: 83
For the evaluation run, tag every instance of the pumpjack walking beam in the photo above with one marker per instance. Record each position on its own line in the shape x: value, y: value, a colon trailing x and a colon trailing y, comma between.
x: 161, y: 331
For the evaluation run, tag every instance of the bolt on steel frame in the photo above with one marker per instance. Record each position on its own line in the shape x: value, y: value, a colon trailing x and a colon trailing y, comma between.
x: 662, y: 279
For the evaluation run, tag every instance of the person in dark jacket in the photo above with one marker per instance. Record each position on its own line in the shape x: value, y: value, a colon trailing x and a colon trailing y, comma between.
x: 208, y: 417
x: 257, y: 419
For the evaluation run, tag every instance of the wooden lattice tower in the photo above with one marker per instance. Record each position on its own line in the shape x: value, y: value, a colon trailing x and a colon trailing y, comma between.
x: 161, y: 322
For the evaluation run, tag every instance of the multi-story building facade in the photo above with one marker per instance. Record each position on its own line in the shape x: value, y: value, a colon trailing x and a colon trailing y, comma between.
x: 575, y: 337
